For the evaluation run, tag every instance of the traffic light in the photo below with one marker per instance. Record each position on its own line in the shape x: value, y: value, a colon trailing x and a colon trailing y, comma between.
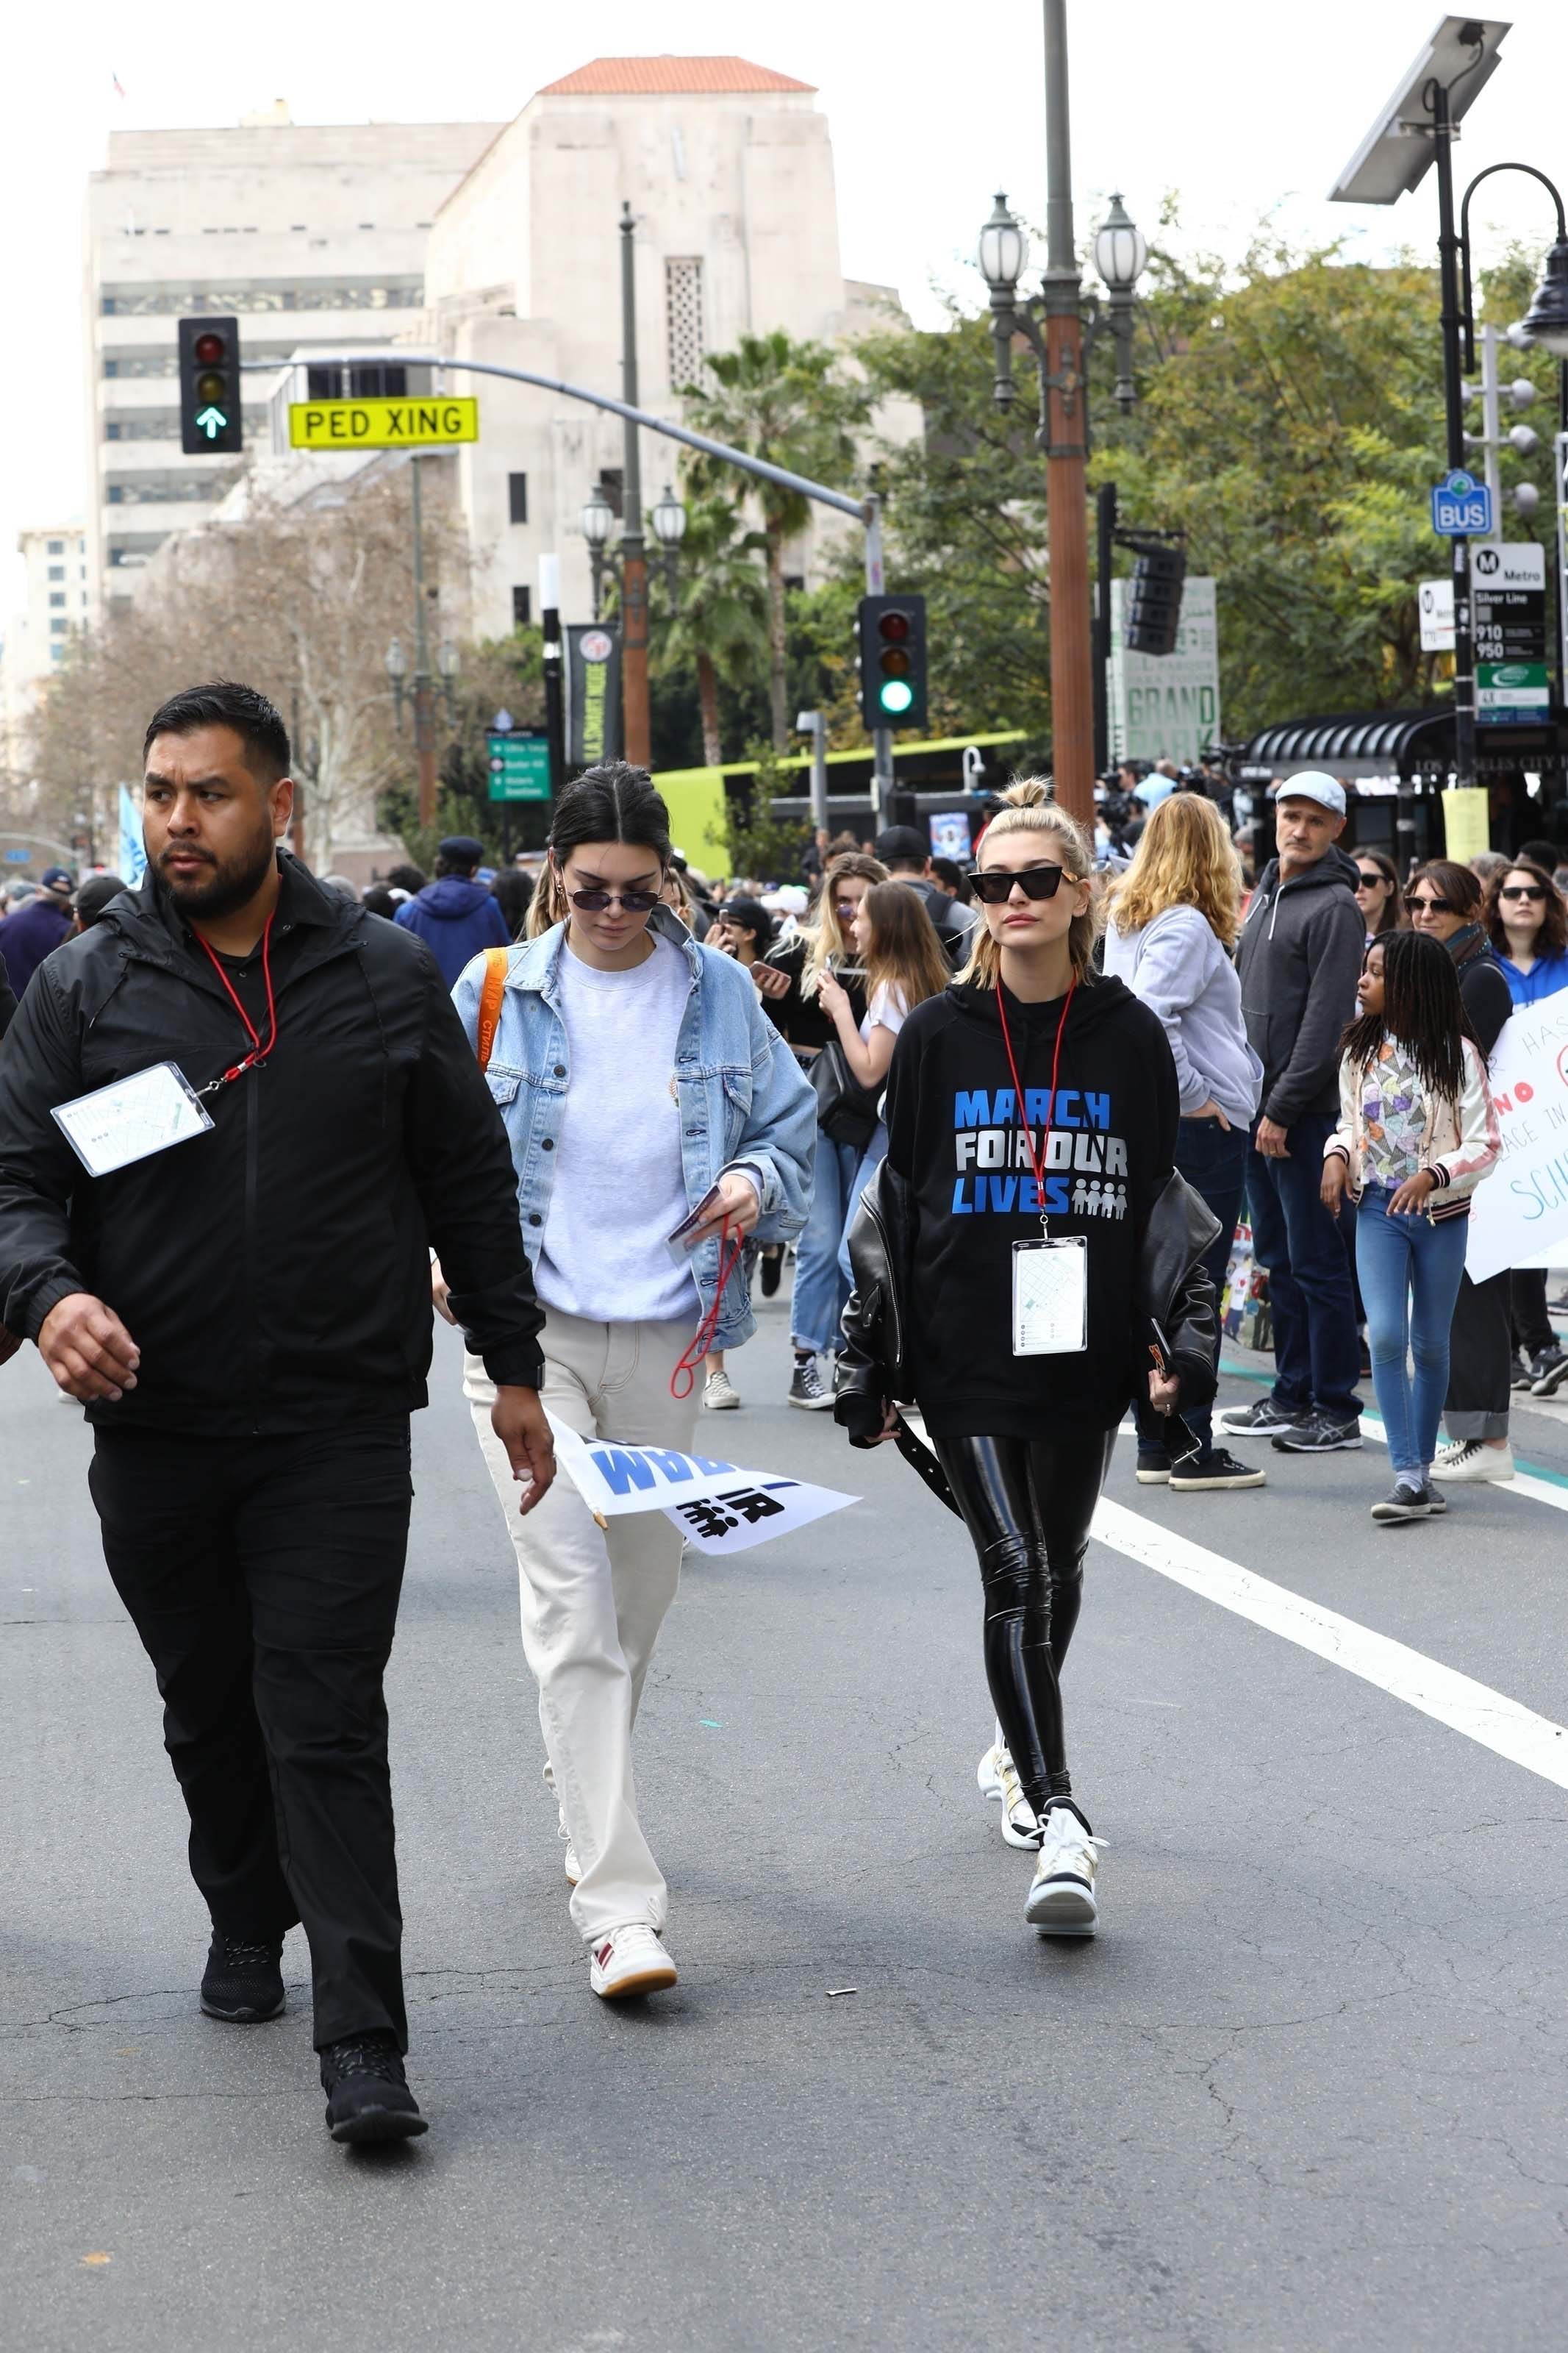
x: 211, y: 423
x: 891, y: 632
x: 1154, y: 607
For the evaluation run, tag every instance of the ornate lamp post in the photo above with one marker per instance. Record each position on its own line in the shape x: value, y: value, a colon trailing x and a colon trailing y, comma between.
x: 668, y: 521
x: 595, y: 519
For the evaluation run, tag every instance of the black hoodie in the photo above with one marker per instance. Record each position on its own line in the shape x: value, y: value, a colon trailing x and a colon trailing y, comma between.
x: 954, y: 1134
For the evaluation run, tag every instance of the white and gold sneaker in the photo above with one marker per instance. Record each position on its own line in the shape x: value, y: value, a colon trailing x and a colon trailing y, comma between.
x: 1061, y: 1897
x: 998, y: 1780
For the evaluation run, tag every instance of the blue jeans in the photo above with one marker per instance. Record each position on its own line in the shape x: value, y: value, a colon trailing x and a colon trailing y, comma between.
x: 1316, y: 1359
x: 871, y: 1159
x: 1213, y: 1162
x: 1409, y: 1271
x: 821, y: 1292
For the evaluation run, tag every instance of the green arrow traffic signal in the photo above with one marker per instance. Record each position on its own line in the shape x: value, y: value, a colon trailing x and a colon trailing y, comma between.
x: 212, y: 422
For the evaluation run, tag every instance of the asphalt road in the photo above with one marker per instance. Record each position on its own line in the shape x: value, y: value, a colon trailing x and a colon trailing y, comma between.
x: 1306, y: 2090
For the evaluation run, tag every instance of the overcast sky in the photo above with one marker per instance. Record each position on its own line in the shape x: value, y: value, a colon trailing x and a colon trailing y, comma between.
x: 1244, y: 107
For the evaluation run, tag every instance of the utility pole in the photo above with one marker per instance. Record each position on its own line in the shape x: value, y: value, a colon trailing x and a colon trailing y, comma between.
x: 1067, y: 416
x: 881, y: 737
x: 551, y: 648
x: 634, y: 557
x: 1105, y: 547
x: 424, y: 717
x: 1454, y: 406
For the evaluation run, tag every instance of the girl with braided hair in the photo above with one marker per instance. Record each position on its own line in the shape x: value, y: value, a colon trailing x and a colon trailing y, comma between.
x: 1416, y: 1134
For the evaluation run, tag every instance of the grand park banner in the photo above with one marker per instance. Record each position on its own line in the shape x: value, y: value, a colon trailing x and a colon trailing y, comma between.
x: 1520, y: 1210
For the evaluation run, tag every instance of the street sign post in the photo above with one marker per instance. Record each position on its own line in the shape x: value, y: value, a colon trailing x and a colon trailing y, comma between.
x: 519, y: 765
x: 1461, y: 507
x: 421, y: 423
x: 1508, y: 596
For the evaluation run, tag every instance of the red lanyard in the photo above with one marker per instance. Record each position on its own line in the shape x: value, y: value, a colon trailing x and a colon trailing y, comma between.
x: 1037, y: 1162
x: 258, y: 1052
x: 730, y: 1257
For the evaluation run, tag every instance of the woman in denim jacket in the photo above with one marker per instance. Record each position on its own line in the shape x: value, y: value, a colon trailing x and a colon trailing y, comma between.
x: 636, y: 1072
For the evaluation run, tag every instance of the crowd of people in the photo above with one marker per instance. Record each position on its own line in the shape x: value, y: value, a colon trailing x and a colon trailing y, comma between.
x: 1006, y: 1119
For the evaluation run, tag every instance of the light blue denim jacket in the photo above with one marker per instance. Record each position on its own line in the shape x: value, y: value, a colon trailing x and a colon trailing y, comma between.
x: 745, y: 1100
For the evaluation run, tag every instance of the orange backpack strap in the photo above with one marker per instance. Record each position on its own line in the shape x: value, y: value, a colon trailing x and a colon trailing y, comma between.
x: 496, y: 963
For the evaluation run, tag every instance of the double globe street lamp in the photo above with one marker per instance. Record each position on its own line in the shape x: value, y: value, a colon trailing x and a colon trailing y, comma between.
x: 596, y: 520
x: 1120, y: 254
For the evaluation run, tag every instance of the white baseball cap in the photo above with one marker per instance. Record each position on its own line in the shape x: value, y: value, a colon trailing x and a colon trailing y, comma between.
x: 1314, y: 785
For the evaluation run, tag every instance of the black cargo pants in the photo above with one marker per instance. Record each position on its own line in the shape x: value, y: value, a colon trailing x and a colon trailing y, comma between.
x: 262, y: 1575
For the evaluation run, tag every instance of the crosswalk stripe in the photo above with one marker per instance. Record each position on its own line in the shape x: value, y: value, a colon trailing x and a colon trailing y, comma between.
x: 1465, y: 1705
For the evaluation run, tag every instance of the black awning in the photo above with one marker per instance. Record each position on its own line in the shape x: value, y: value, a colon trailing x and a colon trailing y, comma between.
x: 1402, y: 743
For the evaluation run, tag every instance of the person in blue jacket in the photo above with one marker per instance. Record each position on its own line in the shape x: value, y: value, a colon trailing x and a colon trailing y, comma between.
x: 454, y: 916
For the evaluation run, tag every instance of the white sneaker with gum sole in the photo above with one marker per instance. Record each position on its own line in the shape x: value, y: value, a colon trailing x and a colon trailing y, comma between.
x: 628, y: 1961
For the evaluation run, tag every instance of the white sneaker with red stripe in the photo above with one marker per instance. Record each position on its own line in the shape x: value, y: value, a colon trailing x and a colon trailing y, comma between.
x: 629, y: 1960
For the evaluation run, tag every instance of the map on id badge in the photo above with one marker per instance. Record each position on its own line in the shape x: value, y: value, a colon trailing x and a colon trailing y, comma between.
x: 132, y: 1119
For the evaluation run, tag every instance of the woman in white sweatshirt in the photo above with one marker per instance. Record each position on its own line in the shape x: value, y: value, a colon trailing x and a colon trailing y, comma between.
x: 1173, y: 918
x: 1418, y: 1132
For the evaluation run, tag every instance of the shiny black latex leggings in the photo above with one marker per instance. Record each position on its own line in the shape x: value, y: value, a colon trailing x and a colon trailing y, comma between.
x: 1027, y: 1505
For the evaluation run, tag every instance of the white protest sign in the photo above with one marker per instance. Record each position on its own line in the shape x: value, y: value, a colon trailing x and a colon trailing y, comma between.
x: 719, y: 1506
x: 1521, y: 1209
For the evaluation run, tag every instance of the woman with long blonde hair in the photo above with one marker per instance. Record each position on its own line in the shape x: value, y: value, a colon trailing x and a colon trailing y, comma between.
x: 1172, y: 921
x: 904, y: 966
x: 1022, y: 1258
x: 789, y: 980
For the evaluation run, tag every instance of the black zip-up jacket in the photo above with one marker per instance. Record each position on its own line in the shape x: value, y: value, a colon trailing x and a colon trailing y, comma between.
x: 1483, y: 985
x: 1300, y: 957
x: 274, y: 1273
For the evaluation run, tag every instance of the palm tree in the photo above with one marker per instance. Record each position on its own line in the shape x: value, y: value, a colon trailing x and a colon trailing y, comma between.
x: 720, y: 627
x: 784, y: 402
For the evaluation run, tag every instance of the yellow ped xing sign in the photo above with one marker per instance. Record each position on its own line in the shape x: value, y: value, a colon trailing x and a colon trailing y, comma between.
x: 423, y: 422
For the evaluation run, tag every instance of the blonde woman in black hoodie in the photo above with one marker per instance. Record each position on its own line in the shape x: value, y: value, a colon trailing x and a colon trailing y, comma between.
x: 1025, y: 1260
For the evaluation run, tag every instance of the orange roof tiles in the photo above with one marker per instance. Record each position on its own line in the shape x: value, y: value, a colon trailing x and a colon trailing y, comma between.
x: 665, y: 76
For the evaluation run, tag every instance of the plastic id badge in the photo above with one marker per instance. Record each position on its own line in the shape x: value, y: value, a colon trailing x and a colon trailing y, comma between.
x: 1051, y: 1297
x: 132, y: 1119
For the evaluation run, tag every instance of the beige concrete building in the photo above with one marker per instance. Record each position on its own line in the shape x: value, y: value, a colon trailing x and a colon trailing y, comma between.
x: 55, y: 603
x: 727, y: 168
x: 312, y: 237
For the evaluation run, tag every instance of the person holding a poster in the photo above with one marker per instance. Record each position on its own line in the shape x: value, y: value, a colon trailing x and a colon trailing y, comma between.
x: 1527, y: 924
x: 1416, y: 1134
x: 649, y: 1102
x: 1446, y: 901
x: 1026, y: 1260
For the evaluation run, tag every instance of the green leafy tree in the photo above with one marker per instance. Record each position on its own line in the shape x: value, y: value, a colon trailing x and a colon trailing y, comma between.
x: 718, y: 627
x: 792, y: 404
x: 764, y: 847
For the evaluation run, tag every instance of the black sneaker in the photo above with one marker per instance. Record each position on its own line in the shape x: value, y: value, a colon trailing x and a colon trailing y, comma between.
x: 1214, y: 1469
x: 806, y: 1386
x: 1402, y: 1502
x: 1548, y: 1372
x: 1521, y: 1374
x: 1153, y: 1466
x: 368, y: 2098
x: 772, y: 1271
x: 1321, y: 1434
x: 1262, y: 1419
x: 242, y: 1984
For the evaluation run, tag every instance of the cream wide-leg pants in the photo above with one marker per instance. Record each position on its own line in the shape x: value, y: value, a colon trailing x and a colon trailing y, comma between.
x: 594, y: 1599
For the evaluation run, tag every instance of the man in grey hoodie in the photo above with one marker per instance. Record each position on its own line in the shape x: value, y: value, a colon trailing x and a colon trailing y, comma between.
x: 1300, y: 958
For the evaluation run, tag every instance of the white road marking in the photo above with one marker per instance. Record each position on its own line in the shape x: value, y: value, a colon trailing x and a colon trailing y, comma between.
x: 1464, y: 1705
x: 1539, y: 1491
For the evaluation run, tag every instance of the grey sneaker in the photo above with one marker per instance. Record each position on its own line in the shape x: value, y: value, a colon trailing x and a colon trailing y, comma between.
x: 806, y: 1386
x: 1320, y: 1434
x: 1263, y: 1420
x: 718, y: 1394
x: 1402, y: 1502
x: 1548, y: 1372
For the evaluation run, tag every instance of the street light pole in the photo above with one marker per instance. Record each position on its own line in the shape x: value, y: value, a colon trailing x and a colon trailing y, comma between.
x: 424, y: 730
x: 1453, y: 412
x: 1066, y: 417
x: 634, y: 556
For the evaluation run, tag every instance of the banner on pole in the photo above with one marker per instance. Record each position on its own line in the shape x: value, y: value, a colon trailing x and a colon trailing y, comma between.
x: 132, y: 851
x: 717, y: 1506
x: 593, y: 693
x: 1520, y: 1210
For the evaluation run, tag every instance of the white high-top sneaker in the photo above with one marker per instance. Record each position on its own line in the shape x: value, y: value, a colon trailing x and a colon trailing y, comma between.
x: 998, y: 1777
x: 1061, y: 1897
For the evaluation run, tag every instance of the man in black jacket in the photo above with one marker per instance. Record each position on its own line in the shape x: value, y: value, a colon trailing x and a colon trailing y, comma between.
x: 247, y: 1317
x: 908, y: 859
x: 1300, y: 957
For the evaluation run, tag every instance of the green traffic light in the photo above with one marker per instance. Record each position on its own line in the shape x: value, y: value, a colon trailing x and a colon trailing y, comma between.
x: 895, y: 694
